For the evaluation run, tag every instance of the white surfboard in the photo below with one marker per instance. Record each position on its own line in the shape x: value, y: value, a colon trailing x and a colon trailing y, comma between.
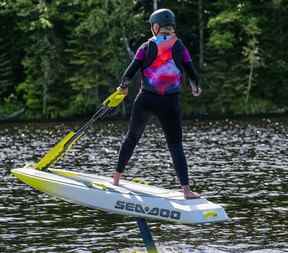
x: 128, y: 198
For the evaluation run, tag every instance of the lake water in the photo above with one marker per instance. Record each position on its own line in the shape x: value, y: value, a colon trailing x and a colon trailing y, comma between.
x: 242, y: 165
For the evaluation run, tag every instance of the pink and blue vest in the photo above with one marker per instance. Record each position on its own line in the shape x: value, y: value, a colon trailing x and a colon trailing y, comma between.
x: 162, y: 72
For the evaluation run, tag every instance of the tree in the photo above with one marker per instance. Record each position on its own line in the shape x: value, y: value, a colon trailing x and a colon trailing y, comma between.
x: 234, y: 40
x: 63, y: 57
x: 96, y: 49
x: 10, y: 72
x: 44, y: 88
x: 273, y: 73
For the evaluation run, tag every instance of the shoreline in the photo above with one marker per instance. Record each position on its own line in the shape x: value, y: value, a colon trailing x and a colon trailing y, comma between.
x: 192, y: 117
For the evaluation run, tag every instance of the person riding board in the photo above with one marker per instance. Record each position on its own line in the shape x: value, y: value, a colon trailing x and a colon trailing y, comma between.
x: 162, y: 60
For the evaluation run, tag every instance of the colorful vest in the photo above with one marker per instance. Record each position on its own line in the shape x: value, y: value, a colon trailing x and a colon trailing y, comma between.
x: 162, y: 75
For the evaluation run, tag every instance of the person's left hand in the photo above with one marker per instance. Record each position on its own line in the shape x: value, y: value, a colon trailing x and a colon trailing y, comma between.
x: 196, y: 91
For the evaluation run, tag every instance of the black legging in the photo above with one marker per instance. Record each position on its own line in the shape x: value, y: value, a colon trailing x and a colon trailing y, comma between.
x: 167, y: 110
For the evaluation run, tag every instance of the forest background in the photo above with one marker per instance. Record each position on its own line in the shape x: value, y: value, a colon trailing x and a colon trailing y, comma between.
x: 61, y: 58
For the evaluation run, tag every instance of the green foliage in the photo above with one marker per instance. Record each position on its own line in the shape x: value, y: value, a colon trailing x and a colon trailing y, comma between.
x: 224, y: 40
x: 235, y: 36
x: 6, y: 70
x: 7, y: 80
x: 255, y: 106
x: 62, y: 57
x: 97, y: 51
x: 10, y: 105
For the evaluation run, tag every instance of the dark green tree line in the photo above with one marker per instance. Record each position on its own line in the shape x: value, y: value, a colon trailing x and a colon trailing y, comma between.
x: 60, y: 58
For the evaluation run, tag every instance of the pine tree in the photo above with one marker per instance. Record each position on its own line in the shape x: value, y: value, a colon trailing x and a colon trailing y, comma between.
x: 97, y: 49
x: 45, y: 91
x: 7, y: 81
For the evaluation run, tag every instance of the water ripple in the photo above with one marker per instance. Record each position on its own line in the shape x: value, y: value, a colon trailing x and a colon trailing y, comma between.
x: 242, y: 165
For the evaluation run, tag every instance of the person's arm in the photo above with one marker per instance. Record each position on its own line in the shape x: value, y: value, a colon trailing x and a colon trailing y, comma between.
x: 191, y: 72
x: 189, y: 67
x: 131, y: 70
x: 133, y: 67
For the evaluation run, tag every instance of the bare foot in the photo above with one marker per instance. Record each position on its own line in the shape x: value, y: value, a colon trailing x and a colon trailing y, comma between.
x: 116, y: 178
x: 188, y: 194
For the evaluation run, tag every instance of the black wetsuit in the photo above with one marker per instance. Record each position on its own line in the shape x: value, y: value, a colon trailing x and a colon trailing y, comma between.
x: 165, y: 107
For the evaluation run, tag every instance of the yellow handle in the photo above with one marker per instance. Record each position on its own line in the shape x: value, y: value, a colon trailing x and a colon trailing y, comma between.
x: 114, y: 99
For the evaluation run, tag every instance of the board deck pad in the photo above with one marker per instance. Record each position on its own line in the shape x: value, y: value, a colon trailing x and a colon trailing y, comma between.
x: 125, y: 186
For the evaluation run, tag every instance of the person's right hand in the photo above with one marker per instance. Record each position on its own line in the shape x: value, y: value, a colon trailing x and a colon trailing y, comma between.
x: 123, y: 90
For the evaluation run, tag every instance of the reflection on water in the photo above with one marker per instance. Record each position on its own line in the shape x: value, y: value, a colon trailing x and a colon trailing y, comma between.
x: 242, y: 165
